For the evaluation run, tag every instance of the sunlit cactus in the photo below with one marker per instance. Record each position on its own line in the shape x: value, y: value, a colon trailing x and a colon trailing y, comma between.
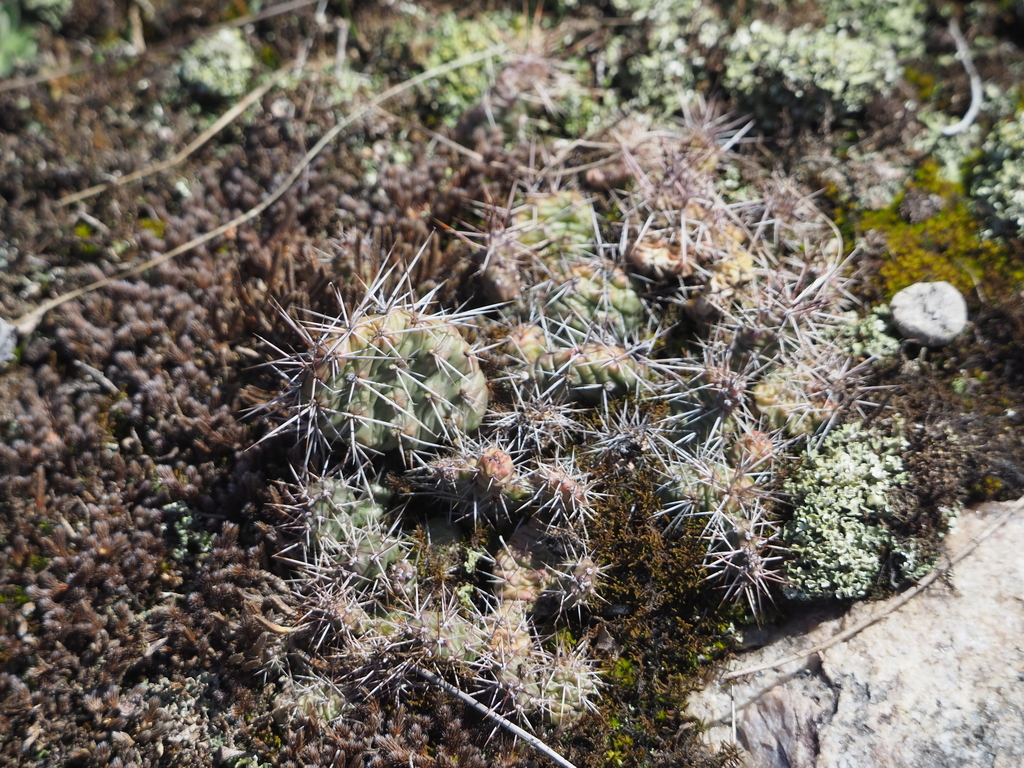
x: 589, y: 373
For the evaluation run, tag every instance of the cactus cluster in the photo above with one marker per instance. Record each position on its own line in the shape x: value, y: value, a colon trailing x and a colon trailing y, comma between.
x: 389, y: 374
x: 684, y: 336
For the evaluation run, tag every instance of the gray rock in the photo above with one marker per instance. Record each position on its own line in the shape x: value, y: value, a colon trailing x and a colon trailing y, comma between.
x: 937, y: 684
x: 932, y: 314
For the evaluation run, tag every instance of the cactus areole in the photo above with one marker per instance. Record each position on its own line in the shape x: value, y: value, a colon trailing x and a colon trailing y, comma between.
x: 401, y: 378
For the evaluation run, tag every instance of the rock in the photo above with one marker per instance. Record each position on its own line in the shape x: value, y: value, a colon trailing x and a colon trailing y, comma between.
x: 932, y: 314
x: 938, y: 683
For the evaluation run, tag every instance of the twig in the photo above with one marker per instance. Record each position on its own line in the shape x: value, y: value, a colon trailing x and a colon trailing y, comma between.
x: 135, y: 24
x: 488, y: 712
x: 895, y: 605
x: 28, y: 322
x: 340, y: 52
x: 97, y: 376
x: 228, y: 117
x: 964, y: 52
x: 434, y: 135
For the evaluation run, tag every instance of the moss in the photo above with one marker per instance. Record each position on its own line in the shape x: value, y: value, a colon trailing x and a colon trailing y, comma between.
x: 666, y: 622
x: 156, y: 226
x: 13, y: 595
x: 924, y: 82
x: 947, y: 246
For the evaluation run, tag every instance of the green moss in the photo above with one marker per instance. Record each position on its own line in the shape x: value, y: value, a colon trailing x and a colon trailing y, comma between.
x: 948, y: 246
x: 623, y: 672
x: 924, y: 82
x: 156, y: 226
x: 13, y: 595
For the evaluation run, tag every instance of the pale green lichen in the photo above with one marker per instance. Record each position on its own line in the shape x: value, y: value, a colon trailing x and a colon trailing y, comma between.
x: 218, y: 66
x: 680, y: 33
x: 808, y: 68
x: 896, y: 23
x: 17, y: 45
x: 837, y: 534
x: 50, y: 11
x: 998, y: 179
x: 951, y: 153
x: 869, y: 336
x: 445, y: 39
x: 534, y: 95
x: 854, y: 55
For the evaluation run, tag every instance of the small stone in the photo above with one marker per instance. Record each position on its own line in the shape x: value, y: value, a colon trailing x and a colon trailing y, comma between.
x: 932, y: 314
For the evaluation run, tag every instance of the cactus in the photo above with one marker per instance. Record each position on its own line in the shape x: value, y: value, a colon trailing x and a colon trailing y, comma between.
x: 523, y: 565
x: 525, y: 343
x: 480, y: 480
x: 794, y: 401
x: 744, y: 556
x: 402, y: 378
x: 660, y: 259
x: 556, y: 223
x: 444, y: 634
x: 587, y: 390
x: 587, y: 295
x: 349, y: 531
x: 589, y: 373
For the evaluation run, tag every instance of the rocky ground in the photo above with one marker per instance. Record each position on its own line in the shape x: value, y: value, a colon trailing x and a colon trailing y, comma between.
x: 936, y: 682
x: 722, y: 197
